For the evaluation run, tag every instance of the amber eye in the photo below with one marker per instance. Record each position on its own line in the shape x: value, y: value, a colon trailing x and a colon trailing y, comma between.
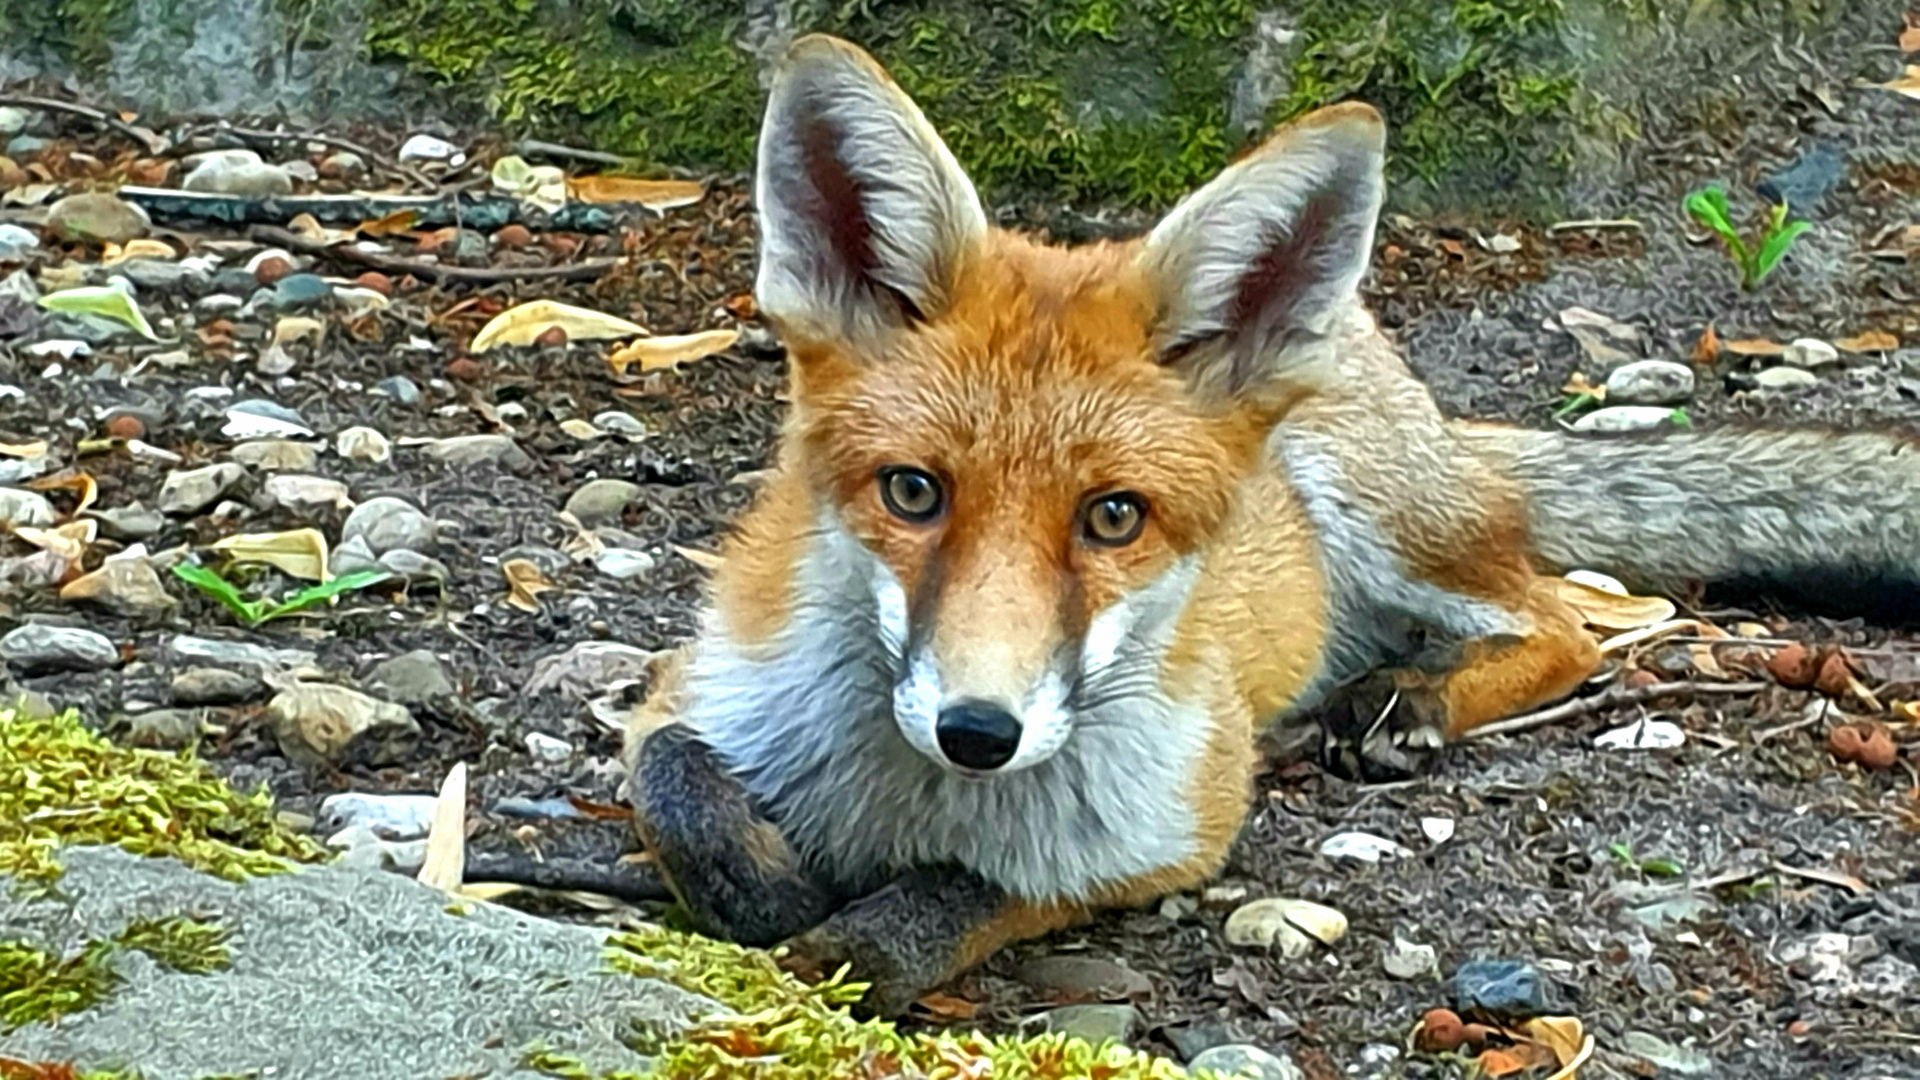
x: 910, y: 494
x: 1115, y: 520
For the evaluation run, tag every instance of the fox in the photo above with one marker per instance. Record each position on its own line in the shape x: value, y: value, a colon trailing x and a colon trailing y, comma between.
x: 1054, y: 535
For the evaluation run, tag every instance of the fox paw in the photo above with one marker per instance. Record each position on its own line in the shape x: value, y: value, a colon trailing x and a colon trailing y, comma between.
x: 892, y: 984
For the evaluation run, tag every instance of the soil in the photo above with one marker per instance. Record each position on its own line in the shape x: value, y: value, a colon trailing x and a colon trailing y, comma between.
x: 1534, y: 869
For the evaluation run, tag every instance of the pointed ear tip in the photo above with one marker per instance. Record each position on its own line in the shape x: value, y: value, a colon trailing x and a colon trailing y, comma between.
x: 825, y: 50
x: 1353, y: 119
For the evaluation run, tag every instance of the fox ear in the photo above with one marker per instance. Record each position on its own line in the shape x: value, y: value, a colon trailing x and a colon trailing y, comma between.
x: 1271, y: 252
x: 864, y: 214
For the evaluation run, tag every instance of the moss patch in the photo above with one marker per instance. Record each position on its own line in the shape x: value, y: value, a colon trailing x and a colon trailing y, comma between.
x: 36, y: 987
x: 61, y: 784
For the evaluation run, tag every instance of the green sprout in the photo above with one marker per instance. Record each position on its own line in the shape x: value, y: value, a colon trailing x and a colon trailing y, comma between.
x: 255, y: 612
x: 1757, y: 260
x: 1624, y: 858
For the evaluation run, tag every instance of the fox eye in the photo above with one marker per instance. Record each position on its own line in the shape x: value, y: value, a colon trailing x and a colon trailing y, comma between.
x: 910, y: 494
x: 1114, y: 520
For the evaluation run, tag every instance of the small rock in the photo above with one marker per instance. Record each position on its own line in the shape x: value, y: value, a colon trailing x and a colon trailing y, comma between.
x: 390, y: 817
x: 274, y: 362
x: 1361, y: 846
x: 1094, y: 1023
x: 189, y: 492
x: 466, y: 450
x: 257, y: 418
x: 1288, y: 924
x: 187, y: 651
x: 1650, y: 1048
x: 301, y: 291
x: 615, y: 422
x: 415, y: 568
x: 319, y: 724
x: 363, y: 444
x: 1084, y: 978
x: 214, y: 686
x: 1500, y: 989
x: 17, y: 244
x: 545, y: 747
x: 1437, y: 829
x: 96, y: 218
x: 1810, y: 353
x: 415, y: 679
x: 1246, y: 1063
x: 25, y: 146
x: 1406, y: 960
x: 429, y: 148
x: 124, y: 586
x: 589, y: 669
x: 126, y: 426
x: 29, y: 508
x: 466, y: 369
x: 363, y: 849
x: 272, y: 269
x: 518, y: 806
x: 553, y: 337
x: 353, y: 556
x: 153, y: 275
x: 276, y: 455
x: 623, y: 564
x: 161, y: 729
x: 343, y: 165
x: 1805, y: 184
x: 387, y: 524
x: 1784, y: 377
x: 239, y: 173
x: 1642, y: 734
x: 600, y: 502
x: 1650, y: 382
x: 38, y: 649
x: 1621, y: 419
x: 400, y: 388
x: 513, y: 236
x: 129, y: 524
x: 375, y: 281
x: 298, y: 493
x: 13, y: 120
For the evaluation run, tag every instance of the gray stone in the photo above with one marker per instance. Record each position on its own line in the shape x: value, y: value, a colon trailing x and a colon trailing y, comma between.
x: 191, y: 491
x: 345, y: 164
x: 599, y: 502
x: 400, y: 388
x: 1083, y: 978
x: 277, y: 455
x: 1650, y: 382
x: 620, y: 423
x: 1810, y: 353
x: 623, y: 563
x: 304, y: 494
x: 16, y: 243
x: 336, y: 971
x: 21, y: 146
x: 363, y: 444
x: 214, y: 686
x: 299, y: 291
x: 13, y: 120
x: 261, y: 417
x: 1684, y: 1060
x: 29, y: 508
x: 1094, y: 1023
x: 1785, y: 377
x: 157, y: 276
x: 415, y: 568
x: 417, y: 678
x: 129, y: 524
x: 388, y: 524
x: 240, y: 173
x: 352, y: 557
x: 38, y: 649
x: 1624, y: 419
x: 96, y: 218
x: 477, y: 450
x: 186, y: 651
x: 319, y: 724
x: 1248, y: 1063
x: 161, y: 729
x: 390, y: 817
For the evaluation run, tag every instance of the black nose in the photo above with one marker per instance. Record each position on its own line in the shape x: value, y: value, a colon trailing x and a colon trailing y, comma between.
x: 977, y: 734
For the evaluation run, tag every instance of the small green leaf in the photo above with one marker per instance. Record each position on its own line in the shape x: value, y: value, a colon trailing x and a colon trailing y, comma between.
x: 1621, y: 852
x: 105, y: 301
x: 1710, y: 206
x: 1680, y: 418
x: 1775, y: 249
x: 1662, y: 868
x: 211, y: 583
x: 314, y: 595
x: 1575, y: 403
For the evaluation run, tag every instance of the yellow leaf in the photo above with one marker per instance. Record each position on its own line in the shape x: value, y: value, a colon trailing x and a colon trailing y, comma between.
x: 659, y: 352
x: 308, y: 227
x: 141, y: 248
x: 525, y: 583
x: 446, y: 861
x: 522, y: 324
x: 1498, y: 1063
x: 1561, y: 1034
x: 68, y: 541
x: 34, y: 449
x: 1870, y: 341
x: 1610, y: 610
x: 652, y: 194
x: 1577, y: 384
x: 301, y: 553
x: 69, y: 481
x: 1908, y: 84
x: 1754, y: 347
x: 1707, y: 349
x: 1910, y: 39
x: 705, y: 560
x: 580, y: 429
x: 399, y: 221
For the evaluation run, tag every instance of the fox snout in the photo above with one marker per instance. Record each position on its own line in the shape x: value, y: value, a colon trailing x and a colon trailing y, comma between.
x: 978, y: 735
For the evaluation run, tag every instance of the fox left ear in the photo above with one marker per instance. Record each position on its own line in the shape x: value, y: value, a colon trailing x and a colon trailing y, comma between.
x: 1271, y: 252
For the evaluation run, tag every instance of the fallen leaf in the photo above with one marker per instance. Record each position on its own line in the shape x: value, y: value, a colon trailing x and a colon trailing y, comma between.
x: 653, y: 353
x: 296, y: 328
x: 37, y: 448
x: 112, y: 302
x: 1563, y: 1035
x: 1755, y: 347
x: 1910, y: 37
x: 525, y: 583
x: 1500, y: 1063
x: 1826, y: 877
x: 301, y: 553
x: 1869, y: 341
x: 141, y: 248
x: 396, y: 223
x: 599, y: 810
x: 1707, y: 349
x: 1908, y: 84
x: 308, y: 227
x: 446, y: 862
x: 1577, y: 384
x: 705, y: 560
x: 1649, y: 632
x: 940, y: 1006
x: 68, y: 541
x: 580, y: 429
x: 522, y: 324
x: 652, y: 194
x: 70, y: 481
x: 1907, y: 712
x: 1611, y: 608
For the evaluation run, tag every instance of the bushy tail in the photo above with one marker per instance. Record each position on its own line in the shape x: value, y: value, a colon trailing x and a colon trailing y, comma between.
x: 1826, y: 520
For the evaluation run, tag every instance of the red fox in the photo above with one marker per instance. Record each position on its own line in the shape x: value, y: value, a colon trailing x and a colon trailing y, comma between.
x: 1054, y: 534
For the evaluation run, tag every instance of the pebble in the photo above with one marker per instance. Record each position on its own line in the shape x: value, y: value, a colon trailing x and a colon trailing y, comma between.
x: 425, y: 147
x: 466, y: 450
x: 37, y: 649
x: 1501, y: 989
x: 1785, y: 377
x: 125, y: 426
x: 363, y: 444
x: 1805, y: 184
x: 152, y: 275
x: 400, y: 388
x: 1650, y: 382
x: 301, y: 493
x: 29, y: 508
x: 513, y: 236
x: 188, y: 651
x: 375, y: 281
x: 161, y: 729
x: 301, y: 291
x: 277, y: 455
x: 1094, y: 1023
x: 214, y: 686
x: 129, y: 524
x: 1684, y: 1060
x: 364, y: 849
x: 1246, y: 1063
x: 24, y: 146
x: 96, y: 218
x: 17, y: 244
x: 415, y: 568
x: 351, y: 557
x: 270, y: 269
x: 344, y: 165
x: 388, y: 523
x: 257, y: 418
x: 1083, y: 978
x: 1642, y: 734
x: 1406, y: 960
x: 318, y: 724
x: 1361, y: 846
x: 623, y: 564
x: 1290, y: 925
x: 124, y: 586
x: 1810, y: 353
x: 274, y: 362
x: 600, y: 502
x: 13, y: 120
x: 526, y: 809
x: 414, y: 679
x: 615, y: 422
x: 545, y: 747
x: 240, y: 173
x: 188, y: 492
x: 390, y: 817
x: 1621, y: 419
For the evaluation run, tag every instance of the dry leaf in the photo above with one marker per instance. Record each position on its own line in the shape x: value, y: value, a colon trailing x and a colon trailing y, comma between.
x: 654, y: 353
x: 1755, y: 347
x: 652, y: 194
x: 1707, y: 349
x: 68, y: 541
x: 525, y: 583
x: 1577, y: 384
x: 522, y: 324
x: 141, y: 248
x: 1602, y: 602
x: 705, y: 560
x: 37, y: 448
x: 301, y: 553
x: 69, y: 481
x: 308, y: 227
x: 1869, y: 341
x: 446, y: 862
x: 394, y: 224
x: 1910, y: 37
x: 1907, y: 712
x: 1637, y: 635
x: 582, y: 430
x: 940, y: 1006
x: 1908, y: 84
x: 1564, y: 1035
x: 1498, y: 1063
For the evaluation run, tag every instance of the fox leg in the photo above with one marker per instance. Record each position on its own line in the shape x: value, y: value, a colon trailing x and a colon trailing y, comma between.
x: 1497, y: 680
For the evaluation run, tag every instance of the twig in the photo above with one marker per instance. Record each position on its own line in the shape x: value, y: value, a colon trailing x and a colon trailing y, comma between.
x: 1825, y: 877
x: 623, y: 881
x: 154, y: 143
x: 1617, y: 696
x: 405, y: 171
x: 580, y: 271
x: 540, y: 148
x: 1559, y: 227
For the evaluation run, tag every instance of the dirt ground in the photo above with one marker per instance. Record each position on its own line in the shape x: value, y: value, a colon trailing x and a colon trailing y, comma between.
x: 1725, y: 960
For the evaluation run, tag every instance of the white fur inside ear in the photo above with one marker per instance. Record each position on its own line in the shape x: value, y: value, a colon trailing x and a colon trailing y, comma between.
x: 865, y: 214
x: 1274, y: 247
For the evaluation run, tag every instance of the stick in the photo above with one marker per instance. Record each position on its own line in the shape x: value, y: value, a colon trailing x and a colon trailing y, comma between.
x: 387, y: 264
x: 632, y: 883
x: 539, y: 148
x: 154, y: 143
x: 1567, y: 710
x: 404, y: 171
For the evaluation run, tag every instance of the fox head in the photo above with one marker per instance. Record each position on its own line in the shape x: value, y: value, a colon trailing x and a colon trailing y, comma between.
x: 1033, y: 447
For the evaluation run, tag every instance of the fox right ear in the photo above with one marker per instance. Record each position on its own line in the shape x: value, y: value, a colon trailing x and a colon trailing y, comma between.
x: 865, y: 216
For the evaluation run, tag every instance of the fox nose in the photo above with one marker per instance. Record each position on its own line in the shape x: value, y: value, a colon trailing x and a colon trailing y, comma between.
x: 977, y: 735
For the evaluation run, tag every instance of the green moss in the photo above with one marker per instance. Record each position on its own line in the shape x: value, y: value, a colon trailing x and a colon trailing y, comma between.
x: 189, y: 946
x: 36, y: 987
x: 60, y: 784
x: 81, y: 31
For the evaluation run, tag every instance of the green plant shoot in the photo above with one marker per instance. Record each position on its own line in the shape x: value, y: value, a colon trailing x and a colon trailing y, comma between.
x: 1755, y: 260
x: 255, y: 612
